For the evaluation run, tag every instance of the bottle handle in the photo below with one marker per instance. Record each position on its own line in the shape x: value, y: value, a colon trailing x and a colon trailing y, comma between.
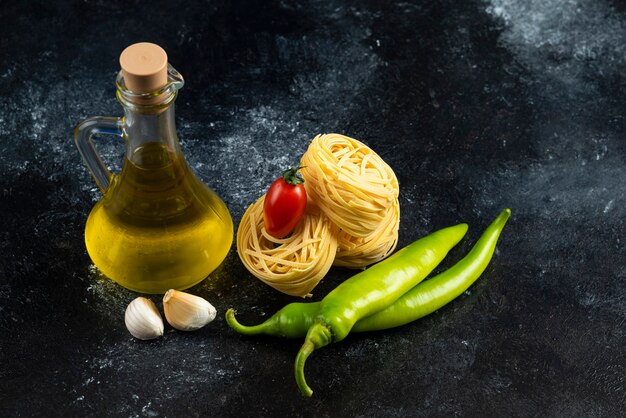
x: 83, y: 135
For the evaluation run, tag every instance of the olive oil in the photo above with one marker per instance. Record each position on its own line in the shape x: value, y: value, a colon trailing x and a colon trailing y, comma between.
x: 158, y: 227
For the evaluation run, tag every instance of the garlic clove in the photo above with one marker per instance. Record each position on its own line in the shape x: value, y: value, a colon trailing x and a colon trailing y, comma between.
x: 187, y: 312
x: 143, y: 319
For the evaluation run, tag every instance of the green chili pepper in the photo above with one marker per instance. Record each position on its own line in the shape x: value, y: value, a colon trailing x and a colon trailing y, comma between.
x: 294, y: 319
x: 373, y: 290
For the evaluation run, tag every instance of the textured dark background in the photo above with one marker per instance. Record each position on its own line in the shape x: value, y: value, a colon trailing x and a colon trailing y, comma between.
x: 477, y: 105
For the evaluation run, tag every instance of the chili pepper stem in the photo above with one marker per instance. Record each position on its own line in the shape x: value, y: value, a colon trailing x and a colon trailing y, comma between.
x: 261, y: 328
x: 318, y: 336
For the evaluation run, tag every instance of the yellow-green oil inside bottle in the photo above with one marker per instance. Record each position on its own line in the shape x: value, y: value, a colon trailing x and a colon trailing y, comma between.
x: 158, y: 227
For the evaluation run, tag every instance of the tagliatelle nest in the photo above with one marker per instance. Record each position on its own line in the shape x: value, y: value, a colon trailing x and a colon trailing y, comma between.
x: 352, y: 185
x: 292, y: 265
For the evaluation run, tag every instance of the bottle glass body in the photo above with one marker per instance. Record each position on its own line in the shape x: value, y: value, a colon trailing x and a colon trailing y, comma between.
x: 157, y: 226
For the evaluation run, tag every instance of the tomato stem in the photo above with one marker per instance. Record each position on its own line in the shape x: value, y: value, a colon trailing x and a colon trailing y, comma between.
x: 292, y: 176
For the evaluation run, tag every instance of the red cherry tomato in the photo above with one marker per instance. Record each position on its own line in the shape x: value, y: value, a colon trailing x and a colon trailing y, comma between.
x: 285, y: 202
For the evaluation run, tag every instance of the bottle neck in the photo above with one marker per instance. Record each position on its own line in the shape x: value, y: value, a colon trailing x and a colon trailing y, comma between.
x: 149, y: 126
x: 150, y: 130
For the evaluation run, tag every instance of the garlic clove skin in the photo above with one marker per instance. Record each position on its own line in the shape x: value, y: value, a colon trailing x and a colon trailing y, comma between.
x: 187, y: 312
x: 143, y: 319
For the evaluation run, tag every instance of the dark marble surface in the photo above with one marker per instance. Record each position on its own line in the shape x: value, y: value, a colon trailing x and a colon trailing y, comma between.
x: 477, y: 105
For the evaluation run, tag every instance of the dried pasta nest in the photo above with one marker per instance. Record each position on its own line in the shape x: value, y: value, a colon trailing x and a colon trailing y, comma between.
x: 292, y: 265
x: 352, y: 184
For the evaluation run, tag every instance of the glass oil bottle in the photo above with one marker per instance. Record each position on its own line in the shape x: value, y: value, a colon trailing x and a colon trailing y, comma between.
x: 157, y: 226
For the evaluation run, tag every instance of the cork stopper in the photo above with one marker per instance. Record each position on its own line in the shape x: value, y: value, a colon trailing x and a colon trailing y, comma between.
x: 144, y: 67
